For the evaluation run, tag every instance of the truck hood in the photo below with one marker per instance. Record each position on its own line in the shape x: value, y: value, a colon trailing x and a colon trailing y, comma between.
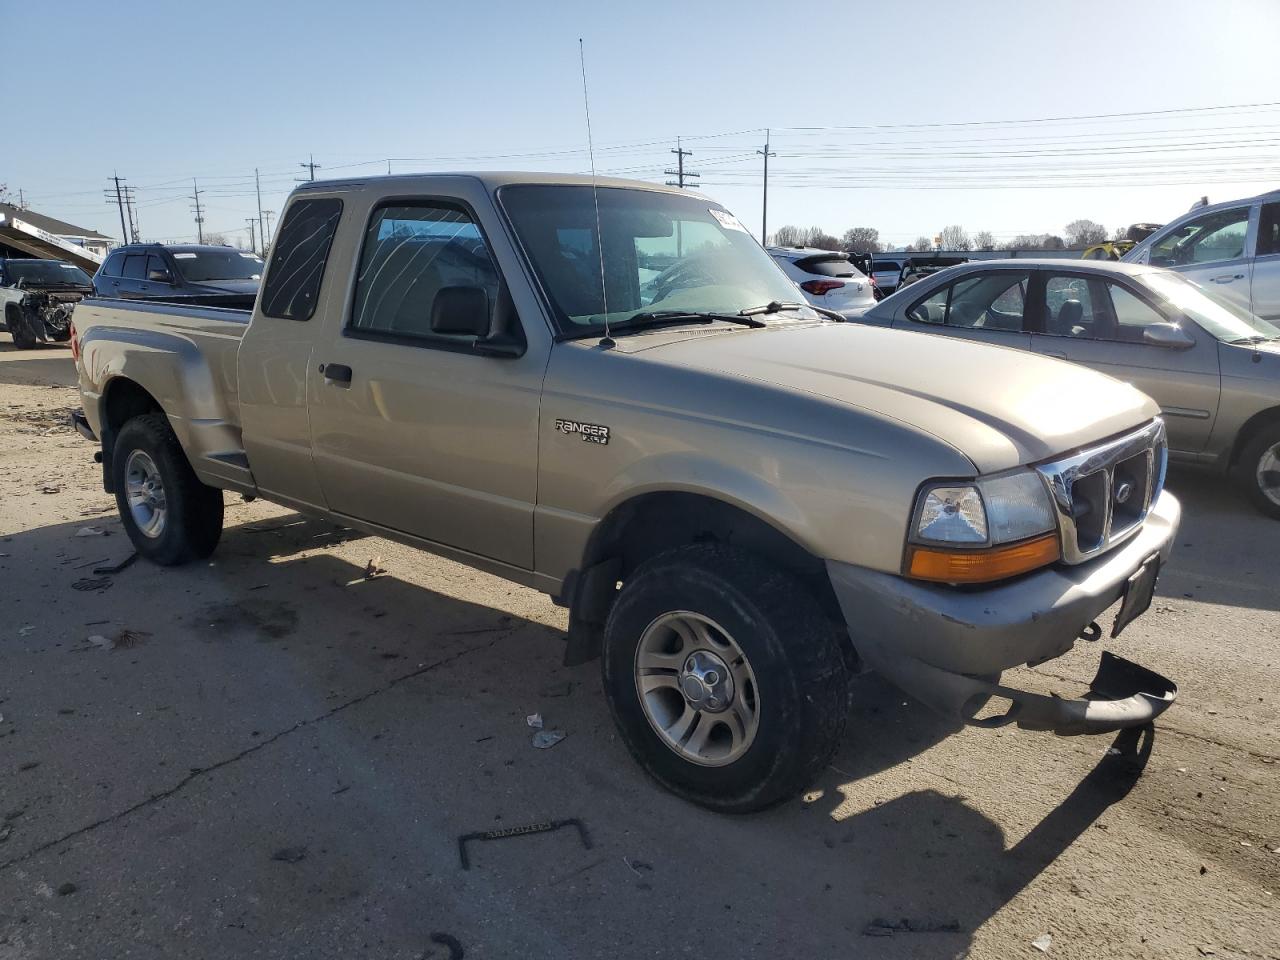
x: 999, y: 407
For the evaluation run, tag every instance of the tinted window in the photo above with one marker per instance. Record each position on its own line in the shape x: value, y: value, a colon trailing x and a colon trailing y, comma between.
x: 199, y: 266
x: 882, y: 266
x: 135, y: 266
x: 297, y: 263
x: 112, y: 267
x: 828, y: 267
x: 1208, y: 239
x: 156, y: 263
x: 985, y: 301
x: 1269, y: 229
x: 410, y: 254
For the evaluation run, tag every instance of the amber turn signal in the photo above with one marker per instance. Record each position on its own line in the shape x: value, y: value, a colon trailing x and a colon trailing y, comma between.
x: 984, y: 565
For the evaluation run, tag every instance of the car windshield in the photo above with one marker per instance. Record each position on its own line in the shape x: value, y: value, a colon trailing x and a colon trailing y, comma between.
x: 661, y: 252
x: 198, y: 266
x: 1219, y: 317
x: 44, y: 272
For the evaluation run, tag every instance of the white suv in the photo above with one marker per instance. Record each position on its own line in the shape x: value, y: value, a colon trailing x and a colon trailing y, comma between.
x: 827, y: 277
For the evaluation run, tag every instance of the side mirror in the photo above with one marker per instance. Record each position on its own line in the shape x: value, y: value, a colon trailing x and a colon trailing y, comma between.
x: 461, y: 310
x: 1168, y: 335
x: 159, y: 276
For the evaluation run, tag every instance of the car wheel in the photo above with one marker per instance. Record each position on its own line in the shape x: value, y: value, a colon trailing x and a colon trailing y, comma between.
x: 169, y: 515
x: 1260, y: 470
x: 23, y: 338
x: 726, y: 680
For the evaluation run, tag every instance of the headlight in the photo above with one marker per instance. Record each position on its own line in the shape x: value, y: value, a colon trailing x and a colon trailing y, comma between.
x: 993, y: 528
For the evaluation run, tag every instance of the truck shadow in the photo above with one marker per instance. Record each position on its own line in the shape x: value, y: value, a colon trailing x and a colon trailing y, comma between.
x: 921, y: 866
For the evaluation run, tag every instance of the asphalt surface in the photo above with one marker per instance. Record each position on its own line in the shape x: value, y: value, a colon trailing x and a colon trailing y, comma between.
x: 270, y: 755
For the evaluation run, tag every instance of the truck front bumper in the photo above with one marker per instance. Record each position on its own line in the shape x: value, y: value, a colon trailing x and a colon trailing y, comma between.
x: 945, y: 645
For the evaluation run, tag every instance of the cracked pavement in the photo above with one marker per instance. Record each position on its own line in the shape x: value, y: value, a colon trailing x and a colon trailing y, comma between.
x: 281, y: 763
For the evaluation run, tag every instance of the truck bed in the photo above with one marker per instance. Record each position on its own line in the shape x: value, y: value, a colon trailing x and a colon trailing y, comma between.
x: 187, y: 356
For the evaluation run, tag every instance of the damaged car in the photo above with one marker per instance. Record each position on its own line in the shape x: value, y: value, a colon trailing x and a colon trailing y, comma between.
x: 37, y: 297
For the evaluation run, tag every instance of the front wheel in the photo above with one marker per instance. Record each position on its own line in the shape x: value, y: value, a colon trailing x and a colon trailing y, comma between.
x: 726, y: 681
x: 170, y: 516
x: 23, y: 337
x: 1260, y: 470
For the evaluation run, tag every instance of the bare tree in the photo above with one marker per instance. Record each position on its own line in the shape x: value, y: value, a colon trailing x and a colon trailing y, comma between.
x: 861, y: 240
x: 818, y: 238
x: 919, y: 245
x: 788, y: 236
x: 217, y: 239
x: 984, y: 240
x: 1084, y: 233
x: 1121, y: 233
x: 954, y: 237
x: 4, y: 193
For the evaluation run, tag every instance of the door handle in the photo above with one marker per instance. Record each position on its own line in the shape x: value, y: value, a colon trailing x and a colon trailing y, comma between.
x: 336, y: 373
x: 1227, y: 278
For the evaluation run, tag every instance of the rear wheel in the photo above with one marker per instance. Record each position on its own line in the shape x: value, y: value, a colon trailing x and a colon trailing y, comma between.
x: 170, y: 516
x: 1260, y: 470
x: 725, y: 679
x: 23, y: 337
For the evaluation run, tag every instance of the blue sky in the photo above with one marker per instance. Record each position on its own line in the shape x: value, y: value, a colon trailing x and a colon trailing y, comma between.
x: 881, y: 112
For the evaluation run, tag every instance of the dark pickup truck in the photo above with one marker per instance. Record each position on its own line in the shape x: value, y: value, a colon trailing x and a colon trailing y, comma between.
x: 195, y: 274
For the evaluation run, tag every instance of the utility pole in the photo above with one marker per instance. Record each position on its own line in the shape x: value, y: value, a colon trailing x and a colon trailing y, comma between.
x: 266, y: 237
x: 128, y: 207
x: 253, y: 245
x: 679, y: 172
x: 22, y: 201
x: 310, y: 167
x: 257, y: 185
x: 119, y: 202
x: 764, y: 205
x: 195, y: 195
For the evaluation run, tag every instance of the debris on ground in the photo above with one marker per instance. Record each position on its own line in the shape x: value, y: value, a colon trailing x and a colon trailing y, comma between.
x: 1043, y: 942
x: 5, y: 830
x: 545, y: 739
x: 887, y: 928
x: 290, y: 854
x: 50, y: 489
x: 29, y: 628
x: 123, y: 639
x: 636, y: 866
x: 29, y: 765
x: 542, y: 826
x: 374, y: 568
x: 117, y: 567
x: 89, y: 584
x: 67, y: 889
x: 452, y: 942
x: 534, y: 720
x: 92, y: 532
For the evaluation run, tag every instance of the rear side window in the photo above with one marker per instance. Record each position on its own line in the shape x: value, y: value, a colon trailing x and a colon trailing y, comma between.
x: 828, y: 267
x: 1269, y: 230
x: 135, y: 266
x: 112, y: 267
x: 984, y: 301
x: 297, y: 265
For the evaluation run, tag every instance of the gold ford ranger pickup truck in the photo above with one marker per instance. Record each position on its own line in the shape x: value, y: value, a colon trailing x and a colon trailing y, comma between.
x: 608, y: 391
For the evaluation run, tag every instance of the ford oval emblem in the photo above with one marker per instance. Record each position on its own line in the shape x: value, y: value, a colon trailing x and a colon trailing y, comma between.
x: 1124, y: 490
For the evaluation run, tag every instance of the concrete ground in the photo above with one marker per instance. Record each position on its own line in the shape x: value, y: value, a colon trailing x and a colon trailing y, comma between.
x: 272, y: 756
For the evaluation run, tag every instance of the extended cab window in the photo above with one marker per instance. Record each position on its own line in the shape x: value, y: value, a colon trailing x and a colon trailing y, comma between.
x: 412, y: 252
x: 135, y: 266
x: 985, y: 301
x: 112, y: 267
x: 297, y: 264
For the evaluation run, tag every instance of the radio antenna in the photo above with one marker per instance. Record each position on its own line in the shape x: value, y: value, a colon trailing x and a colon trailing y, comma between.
x: 607, y: 341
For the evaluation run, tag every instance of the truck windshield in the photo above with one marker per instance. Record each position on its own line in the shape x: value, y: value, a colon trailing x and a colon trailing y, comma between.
x: 197, y: 266
x: 1219, y: 317
x: 662, y: 252
x: 39, y: 273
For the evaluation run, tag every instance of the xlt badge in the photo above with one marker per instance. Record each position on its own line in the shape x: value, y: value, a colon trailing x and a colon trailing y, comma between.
x: 590, y: 432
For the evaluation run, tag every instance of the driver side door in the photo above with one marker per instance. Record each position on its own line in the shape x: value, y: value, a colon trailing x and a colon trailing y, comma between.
x: 1213, y: 251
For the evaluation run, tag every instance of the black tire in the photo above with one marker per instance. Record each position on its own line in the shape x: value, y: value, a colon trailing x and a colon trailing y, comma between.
x: 193, y: 517
x: 796, y: 657
x: 1264, y: 443
x: 23, y: 338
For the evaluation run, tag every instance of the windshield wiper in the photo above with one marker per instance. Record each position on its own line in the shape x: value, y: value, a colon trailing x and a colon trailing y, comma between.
x: 1256, y: 338
x: 650, y: 319
x: 777, y: 306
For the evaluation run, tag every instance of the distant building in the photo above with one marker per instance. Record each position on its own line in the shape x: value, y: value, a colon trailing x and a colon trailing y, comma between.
x: 25, y: 233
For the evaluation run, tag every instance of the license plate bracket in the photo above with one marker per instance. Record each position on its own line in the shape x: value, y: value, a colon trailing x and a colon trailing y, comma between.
x: 1139, y: 590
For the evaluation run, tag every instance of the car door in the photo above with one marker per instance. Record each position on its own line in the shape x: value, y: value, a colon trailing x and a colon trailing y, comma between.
x: 987, y: 306
x: 159, y: 278
x: 1213, y: 250
x: 133, y: 274
x: 106, y: 282
x: 1099, y: 321
x: 1265, y: 283
x: 412, y: 428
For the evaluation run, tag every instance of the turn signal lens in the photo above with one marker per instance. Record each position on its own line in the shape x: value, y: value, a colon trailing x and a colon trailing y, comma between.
x: 982, y: 566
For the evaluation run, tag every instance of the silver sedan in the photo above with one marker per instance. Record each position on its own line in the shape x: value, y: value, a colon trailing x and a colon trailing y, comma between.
x: 1213, y: 367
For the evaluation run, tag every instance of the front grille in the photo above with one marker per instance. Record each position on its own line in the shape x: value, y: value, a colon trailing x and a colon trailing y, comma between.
x: 1102, y: 494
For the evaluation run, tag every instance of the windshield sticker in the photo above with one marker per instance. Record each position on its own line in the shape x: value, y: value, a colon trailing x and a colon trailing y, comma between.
x: 184, y: 256
x: 726, y: 219
x: 249, y: 256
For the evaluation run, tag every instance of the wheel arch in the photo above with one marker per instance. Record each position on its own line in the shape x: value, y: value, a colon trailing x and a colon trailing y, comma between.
x: 122, y: 399
x: 1244, y: 436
